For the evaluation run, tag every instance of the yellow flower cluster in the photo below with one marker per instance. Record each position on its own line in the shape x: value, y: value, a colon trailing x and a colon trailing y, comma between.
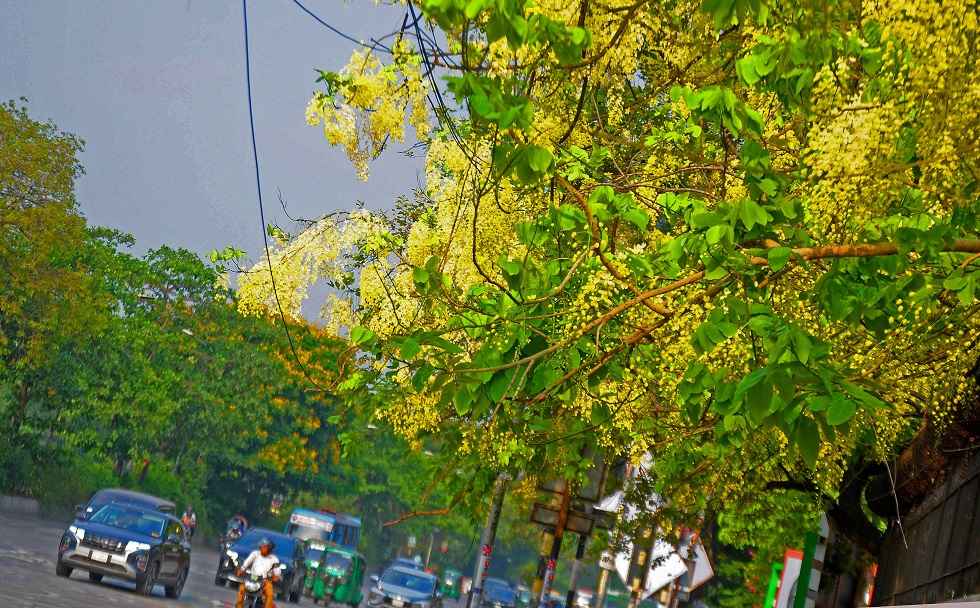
x: 370, y: 105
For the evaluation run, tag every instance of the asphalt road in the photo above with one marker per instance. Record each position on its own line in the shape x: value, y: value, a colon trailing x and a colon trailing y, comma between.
x: 29, y: 550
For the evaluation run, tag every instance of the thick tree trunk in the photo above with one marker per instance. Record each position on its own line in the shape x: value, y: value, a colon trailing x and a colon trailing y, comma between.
x: 923, y: 465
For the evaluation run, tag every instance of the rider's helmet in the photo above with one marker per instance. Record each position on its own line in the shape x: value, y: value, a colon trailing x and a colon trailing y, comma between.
x: 265, y: 542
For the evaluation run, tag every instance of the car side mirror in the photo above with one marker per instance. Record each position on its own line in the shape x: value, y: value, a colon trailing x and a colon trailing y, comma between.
x: 80, y: 512
x: 375, y: 578
x: 173, y: 538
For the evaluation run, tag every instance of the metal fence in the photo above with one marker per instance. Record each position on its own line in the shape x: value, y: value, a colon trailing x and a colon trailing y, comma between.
x: 934, y: 555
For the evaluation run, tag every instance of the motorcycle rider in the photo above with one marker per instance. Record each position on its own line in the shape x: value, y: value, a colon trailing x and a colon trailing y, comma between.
x: 189, y: 519
x: 261, y: 562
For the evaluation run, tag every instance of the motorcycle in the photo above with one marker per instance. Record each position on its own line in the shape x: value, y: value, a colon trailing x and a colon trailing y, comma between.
x: 228, y: 539
x: 236, y: 527
x: 254, y: 597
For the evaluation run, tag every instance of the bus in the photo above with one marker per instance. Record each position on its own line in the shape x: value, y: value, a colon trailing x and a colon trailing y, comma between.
x: 325, y: 525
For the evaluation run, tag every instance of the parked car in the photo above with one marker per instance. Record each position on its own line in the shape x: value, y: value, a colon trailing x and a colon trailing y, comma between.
x: 290, y: 551
x: 131, y: 543
x: 401, y: 587
x: 125, y: 497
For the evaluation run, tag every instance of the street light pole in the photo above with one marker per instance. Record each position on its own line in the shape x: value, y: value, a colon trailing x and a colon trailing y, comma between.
x: 428, y: 554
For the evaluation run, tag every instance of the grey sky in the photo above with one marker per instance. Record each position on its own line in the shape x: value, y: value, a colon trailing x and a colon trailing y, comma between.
x: 157, y: 90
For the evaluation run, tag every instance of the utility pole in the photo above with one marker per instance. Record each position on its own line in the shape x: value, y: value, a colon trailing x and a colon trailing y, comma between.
x: 547, y: 537
x: 486, y: 542
x: 549, y: 574
x: 576, y: 571
x: 639, y: 567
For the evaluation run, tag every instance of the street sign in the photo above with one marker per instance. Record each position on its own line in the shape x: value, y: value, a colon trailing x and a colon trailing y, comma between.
x: 792, y: 565
x: 590, y: 493
x: 411, y: 542
x: 668, y: 563
x: 578, y: 522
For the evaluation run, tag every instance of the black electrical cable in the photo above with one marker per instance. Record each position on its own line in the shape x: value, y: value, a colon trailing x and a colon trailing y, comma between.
x: 375, y: 46
x: 258, y: 184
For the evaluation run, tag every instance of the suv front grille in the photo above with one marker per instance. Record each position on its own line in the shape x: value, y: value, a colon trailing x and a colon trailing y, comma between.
x: 104, y: 544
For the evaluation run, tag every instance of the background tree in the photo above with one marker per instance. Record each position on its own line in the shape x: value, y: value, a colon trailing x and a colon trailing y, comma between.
x: 44, y: 289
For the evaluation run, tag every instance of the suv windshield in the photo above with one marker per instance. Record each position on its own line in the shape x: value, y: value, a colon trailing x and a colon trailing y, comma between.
x: 134, y: 521
x: 422, y: 584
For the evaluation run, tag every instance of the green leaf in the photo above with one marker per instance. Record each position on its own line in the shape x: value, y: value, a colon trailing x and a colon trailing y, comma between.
x: 715, y: 234
x: 422, y: 376
x: 361, y: 335
x: 841, y: 410
x: 778, y: 256
x: 758, y: 399
x: 539, y: 158
x: 420, y: 275
x: 745, y: 68
x: 637, y: 217
x: 410, y: 348
x: 462, y: 400
x: 499, y: 384
x: 802, y: 343
x: 808, y: 441
x: 966, y: 294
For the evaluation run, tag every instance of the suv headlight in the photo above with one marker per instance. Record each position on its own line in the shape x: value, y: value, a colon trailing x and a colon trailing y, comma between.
x: 233, y: 555
x: 79, y: 532
x: 135, y: 546
x: 67, y: 541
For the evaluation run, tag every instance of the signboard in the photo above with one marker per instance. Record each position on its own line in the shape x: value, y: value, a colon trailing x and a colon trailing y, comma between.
x: 699, y: 569
x: 787, y: 582
x: 311, y: 522
x: 667, y: 564
x: 578, y: 522
x: 592, y: 491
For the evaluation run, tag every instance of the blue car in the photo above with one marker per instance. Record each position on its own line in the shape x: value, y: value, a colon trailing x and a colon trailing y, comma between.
x: 290, y: 551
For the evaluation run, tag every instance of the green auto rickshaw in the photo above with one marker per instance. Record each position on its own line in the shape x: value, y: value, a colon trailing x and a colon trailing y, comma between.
x: 450, y: 582
x: 314, y: 553
x: 339, y: 577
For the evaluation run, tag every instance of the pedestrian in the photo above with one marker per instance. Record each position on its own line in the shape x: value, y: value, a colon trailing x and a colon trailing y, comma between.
x: 190, y: 521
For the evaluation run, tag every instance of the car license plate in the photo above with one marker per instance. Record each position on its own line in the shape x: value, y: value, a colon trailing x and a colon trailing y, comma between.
x: 397, y: 603
x: 99, y: 556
